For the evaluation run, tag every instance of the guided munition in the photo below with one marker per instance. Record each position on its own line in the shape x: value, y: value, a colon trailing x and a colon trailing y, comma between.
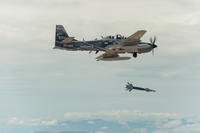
x: 130, y: 87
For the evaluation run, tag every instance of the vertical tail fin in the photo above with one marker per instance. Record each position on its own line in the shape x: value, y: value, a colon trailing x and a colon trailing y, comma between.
x: 61, y: 34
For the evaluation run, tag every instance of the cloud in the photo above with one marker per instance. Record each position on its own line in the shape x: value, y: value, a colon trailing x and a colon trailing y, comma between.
x: 99, y: 132
x: 172, y: 124
x: 57, y: 132
x: 49, y: 122
x: 117, y: 115
x: 42, y: 122
x: 104, y: 128
x: 15, y: 121
x: 91, y: 122
x: 177, y: 126
x: 32, y: 122
x: 149, y: 122
x: 187, y: 19
x: 188, y: 128
x: 77, y: 115
x: 139, y: 130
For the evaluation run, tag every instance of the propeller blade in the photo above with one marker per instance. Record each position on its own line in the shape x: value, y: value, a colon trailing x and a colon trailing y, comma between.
x: 153, y: 52
x: 150, y: 40
x: 154, y: 40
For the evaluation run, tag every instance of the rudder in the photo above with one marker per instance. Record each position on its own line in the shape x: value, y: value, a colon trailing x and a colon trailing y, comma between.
x: 61, y: 34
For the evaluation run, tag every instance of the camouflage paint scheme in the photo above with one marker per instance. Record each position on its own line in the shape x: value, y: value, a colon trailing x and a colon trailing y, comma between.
x: 63, y: 41
x: 111, y: 45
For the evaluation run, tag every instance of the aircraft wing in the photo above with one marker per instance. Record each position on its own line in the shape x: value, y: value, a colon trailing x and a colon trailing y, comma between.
x: 109, y: 53
x: 132, y: 40
x: 136, y: 36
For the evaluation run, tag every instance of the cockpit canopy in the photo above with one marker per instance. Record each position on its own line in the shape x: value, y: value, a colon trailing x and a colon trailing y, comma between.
x: 118, y: 37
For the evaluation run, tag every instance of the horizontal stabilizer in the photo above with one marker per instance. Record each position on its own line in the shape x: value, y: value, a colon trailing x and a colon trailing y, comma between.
x: 68, y: 40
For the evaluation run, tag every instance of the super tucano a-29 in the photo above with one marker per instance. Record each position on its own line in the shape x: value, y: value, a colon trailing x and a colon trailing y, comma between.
x: 111, y: 45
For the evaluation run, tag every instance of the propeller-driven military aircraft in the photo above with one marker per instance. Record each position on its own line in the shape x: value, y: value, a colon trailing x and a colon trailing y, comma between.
x: 130, y: 87
x: 65, y: 42
x: 132, y: 45
x: 111, y: 45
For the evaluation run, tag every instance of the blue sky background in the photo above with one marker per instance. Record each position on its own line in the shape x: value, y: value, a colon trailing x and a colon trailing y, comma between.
x: 38, y: 82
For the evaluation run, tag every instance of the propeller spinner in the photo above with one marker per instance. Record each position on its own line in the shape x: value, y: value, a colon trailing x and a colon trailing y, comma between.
x: 152, y: 43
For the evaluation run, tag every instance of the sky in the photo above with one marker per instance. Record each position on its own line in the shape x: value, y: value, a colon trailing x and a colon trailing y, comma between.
x: 39, y: 82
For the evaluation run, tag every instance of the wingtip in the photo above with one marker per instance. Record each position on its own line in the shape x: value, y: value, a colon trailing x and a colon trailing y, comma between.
x: 143, y: 30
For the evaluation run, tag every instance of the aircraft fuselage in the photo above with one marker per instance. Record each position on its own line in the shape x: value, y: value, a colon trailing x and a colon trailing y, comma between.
x: 141, y: 47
